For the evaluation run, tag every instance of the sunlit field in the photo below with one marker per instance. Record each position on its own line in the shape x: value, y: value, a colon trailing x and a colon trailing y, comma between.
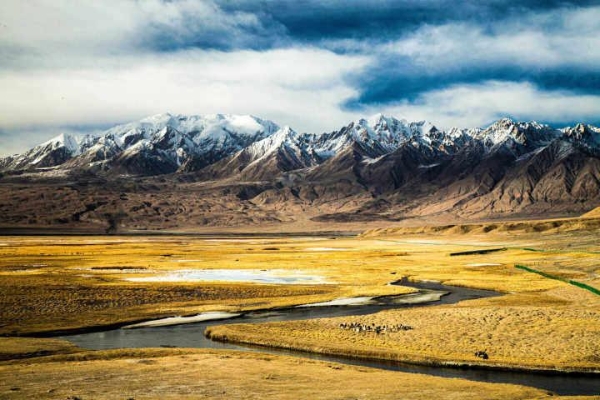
x: 541, y: 321
x: 58, y: 283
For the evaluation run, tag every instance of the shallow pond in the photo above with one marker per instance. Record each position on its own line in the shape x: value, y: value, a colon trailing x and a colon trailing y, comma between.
x: 278, y: 276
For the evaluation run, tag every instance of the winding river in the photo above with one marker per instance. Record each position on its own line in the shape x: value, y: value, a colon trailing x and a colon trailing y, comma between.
x: 192, y: 335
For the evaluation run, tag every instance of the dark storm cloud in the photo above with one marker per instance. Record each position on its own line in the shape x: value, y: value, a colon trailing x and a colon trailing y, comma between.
x: 230, y: 25
x: 393, y: 81
x: 555, y: 50
x: 314, y: 20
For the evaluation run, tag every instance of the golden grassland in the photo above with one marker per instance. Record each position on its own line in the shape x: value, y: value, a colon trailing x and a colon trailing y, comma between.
x: 539, y: 323
x: 57, y: 283
x: 16, y: 347
x: 595, y: 213
x: 516, y: 337
x: 188, y: 373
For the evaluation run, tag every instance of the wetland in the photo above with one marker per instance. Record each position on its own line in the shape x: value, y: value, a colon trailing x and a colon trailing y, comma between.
x: 57, y: 285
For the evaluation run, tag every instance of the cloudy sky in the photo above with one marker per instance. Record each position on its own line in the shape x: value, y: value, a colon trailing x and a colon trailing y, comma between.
x: 315, y: 65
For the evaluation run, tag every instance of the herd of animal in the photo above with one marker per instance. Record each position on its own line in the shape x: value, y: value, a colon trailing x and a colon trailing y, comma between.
x: 378, y: 329
x: 382, y: 329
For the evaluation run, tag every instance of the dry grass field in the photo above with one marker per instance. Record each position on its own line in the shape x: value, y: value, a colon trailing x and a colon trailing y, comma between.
x: 58, y: 283
x: 539, y: 323
x: 517, y: 337
x: 50, y: 284
x: 203, y: 374
x: 12, y: 348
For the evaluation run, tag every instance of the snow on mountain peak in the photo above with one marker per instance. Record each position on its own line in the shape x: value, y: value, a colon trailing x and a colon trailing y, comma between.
x: 505, y: 122
x: 157, y: 119
x: 510, y: 134
x: 588, y: 135
x: 193, y: 142
x: 206, y: 126
x: 386, y: 134
x: 273, y: 142
x: 241, y: 124
x: 63, y: 140
x: 377, y: 120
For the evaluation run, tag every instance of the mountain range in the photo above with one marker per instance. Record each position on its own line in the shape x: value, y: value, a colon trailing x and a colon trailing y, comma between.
x: 175, y: 171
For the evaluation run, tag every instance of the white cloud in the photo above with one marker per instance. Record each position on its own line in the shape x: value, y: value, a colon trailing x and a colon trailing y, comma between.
x: 67, y: 32
x: 567, y: 37
x: 480, y: 104
x: 300, y: 87
x: 44, y: 29
x: 65, y: 63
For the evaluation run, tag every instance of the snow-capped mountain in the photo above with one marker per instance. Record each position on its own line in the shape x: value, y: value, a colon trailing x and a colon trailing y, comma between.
x: 378, y: 135
x: 254, y: 171
x: 54, y: 152
x: 225, y: 145
x: 586, y: 136
x: 154, y: 145
x: 515, y: 136
x: 166, y: 143
x: 288, y: 150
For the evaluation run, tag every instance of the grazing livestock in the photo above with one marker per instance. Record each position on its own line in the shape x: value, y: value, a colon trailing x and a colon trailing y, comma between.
x: 378, y: 329
x: 482, y: 354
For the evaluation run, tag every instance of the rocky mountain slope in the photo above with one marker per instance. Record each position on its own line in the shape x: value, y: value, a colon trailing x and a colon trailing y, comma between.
x: 225, y: 170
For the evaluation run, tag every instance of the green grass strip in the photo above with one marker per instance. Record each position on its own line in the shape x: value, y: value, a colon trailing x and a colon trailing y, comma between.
x: 569, y: 281
x: 586, y: 287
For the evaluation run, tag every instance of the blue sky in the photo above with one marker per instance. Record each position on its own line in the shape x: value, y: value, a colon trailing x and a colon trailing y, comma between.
x: 314, y: 65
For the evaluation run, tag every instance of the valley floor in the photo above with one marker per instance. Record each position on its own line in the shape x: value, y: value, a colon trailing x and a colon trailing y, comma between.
x: 61, y: 283
x: 176, y: 374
